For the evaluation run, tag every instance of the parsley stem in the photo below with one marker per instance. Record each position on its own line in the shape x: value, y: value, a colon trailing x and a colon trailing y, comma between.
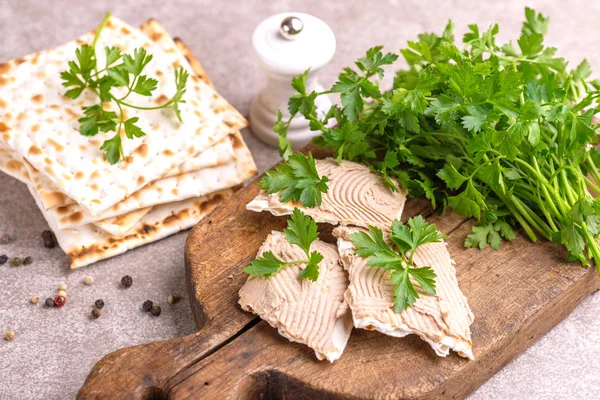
x: 592, y: 167
x: 531, y: 217
x: 148, y: 108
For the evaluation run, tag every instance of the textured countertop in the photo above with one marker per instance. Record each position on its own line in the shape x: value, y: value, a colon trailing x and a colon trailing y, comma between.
x: 55, y: 348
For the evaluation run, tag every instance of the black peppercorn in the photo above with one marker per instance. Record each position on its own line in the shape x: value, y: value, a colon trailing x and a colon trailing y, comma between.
x: 5, y: 239
x: 3, y: 259
x: 49, y: 239
x: 147, y: 306
x: 49, y: 302
x: 27, y: 260
x: 127, y: 281
x: 96, y: 313
x: 16, y: 262
x: 99, y: 303
x: 155, y: 311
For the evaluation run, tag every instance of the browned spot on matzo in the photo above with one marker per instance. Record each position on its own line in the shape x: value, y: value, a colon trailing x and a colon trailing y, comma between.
x: 13, y: 165
x: 237, y: 141
x: 168, y: 152
x: 142, y: 150
x: 35, y: 150
x: 3, y: 103
x: 4, y: 127
x: 72, y: 113
x: 36, y: 128
x: 75, y: 217
x: 57, y: 146
x: 162, y: 99
x: 4, y: 68
x: 38, y: 98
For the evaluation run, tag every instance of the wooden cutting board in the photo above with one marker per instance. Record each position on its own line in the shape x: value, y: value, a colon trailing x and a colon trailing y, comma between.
x: 517, y: 294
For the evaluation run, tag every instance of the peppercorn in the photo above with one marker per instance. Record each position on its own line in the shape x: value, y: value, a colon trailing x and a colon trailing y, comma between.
x: 5, y: 239
x: 62, y: 286
x: 147, y: 306
x: 49, y: 239
x: 3, y: 259
x: 172, y: 299
x: 35, y: 299
x: 27, y: 260
x: 10, y: 335
x: 62, y: 293
x: 88, y: 280
x: 49, y: 302
x: 127, y: 281
x: 155, y: 311
x: 96, y: 313
x: 99, y: 303
x: 60, y: 301
x: 16, y: 262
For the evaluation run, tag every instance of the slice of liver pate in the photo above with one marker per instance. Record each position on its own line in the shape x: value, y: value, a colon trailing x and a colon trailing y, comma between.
x: 311, y: 313
x: 442, y: 320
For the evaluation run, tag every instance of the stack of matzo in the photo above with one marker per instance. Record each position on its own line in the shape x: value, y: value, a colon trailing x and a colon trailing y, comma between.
x: 169, y: 178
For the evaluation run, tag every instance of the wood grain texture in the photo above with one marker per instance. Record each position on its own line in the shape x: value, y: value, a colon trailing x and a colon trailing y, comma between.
x: 517, y: 294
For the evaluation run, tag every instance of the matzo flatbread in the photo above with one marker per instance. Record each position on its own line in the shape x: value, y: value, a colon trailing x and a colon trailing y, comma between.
x: 176, y: 188
x: 120, y: 225
x: 42, y: 126
x: 88, y: 244
x: 11, y: 164
x: 220, y: 153
x: 51, y: 196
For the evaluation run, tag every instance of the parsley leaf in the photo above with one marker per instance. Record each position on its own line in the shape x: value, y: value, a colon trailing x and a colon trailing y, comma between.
x: 85, y: 74
x: 406, y: 239
x: 266, y: 265
x: 297, y: 179
x: 302, y: 232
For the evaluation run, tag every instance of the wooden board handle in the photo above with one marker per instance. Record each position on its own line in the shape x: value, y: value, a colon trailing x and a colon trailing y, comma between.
x: 144, y: 371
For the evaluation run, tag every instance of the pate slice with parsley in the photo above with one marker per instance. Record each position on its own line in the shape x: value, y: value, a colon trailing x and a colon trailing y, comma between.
x: 355, y: 195
x: 442, y: 319
x: 304, y: 311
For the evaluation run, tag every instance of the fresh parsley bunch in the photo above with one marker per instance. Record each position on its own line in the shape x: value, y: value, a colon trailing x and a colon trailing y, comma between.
x: 301, y: 231
x: 405, y: 239
x: 120, y: 70
x: 500, y: 133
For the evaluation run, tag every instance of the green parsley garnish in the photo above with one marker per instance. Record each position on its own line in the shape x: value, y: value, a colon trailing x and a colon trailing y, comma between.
x: 120, y: 70
x: 301, y: 231
x: 502, y: 133
x: 405, y: 240
x: 297, y: 179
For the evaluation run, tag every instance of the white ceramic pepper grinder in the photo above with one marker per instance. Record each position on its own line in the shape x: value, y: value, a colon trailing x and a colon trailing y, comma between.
x: 285, y: 46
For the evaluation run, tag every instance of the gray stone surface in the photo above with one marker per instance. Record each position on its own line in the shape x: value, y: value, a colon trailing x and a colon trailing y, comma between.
x: 55, y: 348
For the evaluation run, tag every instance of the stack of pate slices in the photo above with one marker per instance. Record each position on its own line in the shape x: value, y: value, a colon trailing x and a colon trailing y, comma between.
x: 347, y: 293
x: 168, y: 180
